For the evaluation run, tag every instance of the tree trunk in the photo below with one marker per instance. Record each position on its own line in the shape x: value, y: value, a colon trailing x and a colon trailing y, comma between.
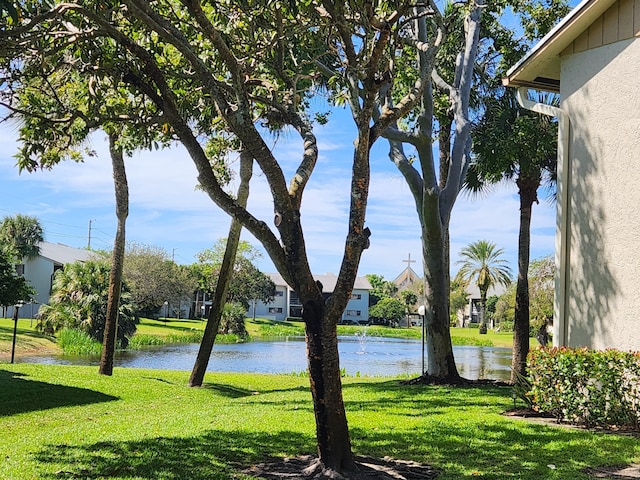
x: 117, y: 260
x: 440, y: 361
x: 224, y: 278
x: 527, y: 188
x: 332, y: 431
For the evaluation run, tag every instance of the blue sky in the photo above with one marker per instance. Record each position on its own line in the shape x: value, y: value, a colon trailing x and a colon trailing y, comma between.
x: 167, y: 210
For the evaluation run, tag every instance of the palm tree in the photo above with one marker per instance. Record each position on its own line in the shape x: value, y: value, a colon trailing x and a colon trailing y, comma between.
x: 79, y: 300
x: 22, y: 234
x: 481, y: 262
x: 515, y: 144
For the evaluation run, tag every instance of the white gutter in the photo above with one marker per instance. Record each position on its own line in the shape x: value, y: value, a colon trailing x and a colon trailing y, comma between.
x: 560, y: 325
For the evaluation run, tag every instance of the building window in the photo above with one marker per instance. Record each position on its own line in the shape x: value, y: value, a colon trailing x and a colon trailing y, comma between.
x: 353, y: 312
x: 20, y: 269
x: 275, y: 309
x: 356, y: 296
x: 279, y: 293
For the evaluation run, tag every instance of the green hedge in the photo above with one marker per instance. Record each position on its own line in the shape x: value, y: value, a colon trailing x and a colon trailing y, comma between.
x: 593, y: 388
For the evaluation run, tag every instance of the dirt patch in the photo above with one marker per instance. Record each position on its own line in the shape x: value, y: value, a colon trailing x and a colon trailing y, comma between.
x: 368, y: 468
x: 617, y: 472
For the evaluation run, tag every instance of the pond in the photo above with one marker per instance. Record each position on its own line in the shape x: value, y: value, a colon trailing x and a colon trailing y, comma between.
x: 359, y: 355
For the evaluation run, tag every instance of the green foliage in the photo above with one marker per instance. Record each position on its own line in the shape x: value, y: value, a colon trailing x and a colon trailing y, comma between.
x: 541, y: 291
x: 388, y: 308
x: 79, y: 300
x: 21, y: 236
x: 248, y: 284
x: 232, y: 320
x: 458, y: 298
x: 146, y: 340
x: 481, y: 263
x: 76, y: 342
x: 409, y: 297
x: 594, y: 388
x: 13, y: 288
x: 154, y: 279
x: 506, y: 306
x: 380, y: 288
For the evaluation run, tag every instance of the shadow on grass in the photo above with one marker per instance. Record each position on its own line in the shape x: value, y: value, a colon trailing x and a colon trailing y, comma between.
x: 20, y: 395
x: 7, y: 333
x: 214, y: 455
x: 499, y: 452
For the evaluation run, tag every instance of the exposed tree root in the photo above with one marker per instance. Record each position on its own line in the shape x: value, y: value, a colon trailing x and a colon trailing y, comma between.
x: 367, y: 468
x: 453, y: 381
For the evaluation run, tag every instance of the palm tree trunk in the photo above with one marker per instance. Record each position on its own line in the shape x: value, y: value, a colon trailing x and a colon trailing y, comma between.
x: 527, y: 191
x: 117, y: 260
x: 224, y: 278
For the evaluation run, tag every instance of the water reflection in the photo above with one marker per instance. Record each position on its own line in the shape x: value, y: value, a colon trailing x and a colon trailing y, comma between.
x: 367, y: 356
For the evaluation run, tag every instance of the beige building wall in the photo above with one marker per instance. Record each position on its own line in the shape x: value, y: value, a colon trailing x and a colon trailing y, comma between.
x: 600, y: 89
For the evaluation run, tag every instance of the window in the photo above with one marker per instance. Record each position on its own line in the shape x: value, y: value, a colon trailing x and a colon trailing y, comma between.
x: 20, y: 269
x: 279, y: 293
x: 356, y: 296
x: 275, y: 309
x: 353, y: 312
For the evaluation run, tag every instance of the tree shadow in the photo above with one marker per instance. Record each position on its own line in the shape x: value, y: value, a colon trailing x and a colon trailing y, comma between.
x: 214, y: 455
x: 532, y: 451
x: 600, y: 240
x: 20, y: 395
x: 461, y: 450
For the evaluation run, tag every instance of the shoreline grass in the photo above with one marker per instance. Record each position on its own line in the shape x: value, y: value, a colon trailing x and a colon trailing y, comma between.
x: 68, y: 422
x: 160, y: 332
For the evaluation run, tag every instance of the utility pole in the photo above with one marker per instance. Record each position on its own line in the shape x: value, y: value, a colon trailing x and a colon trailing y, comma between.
x: 173, y: 255
x: 89, y: 237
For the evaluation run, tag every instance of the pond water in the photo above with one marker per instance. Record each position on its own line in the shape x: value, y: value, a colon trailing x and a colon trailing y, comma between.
x: 359, y: 355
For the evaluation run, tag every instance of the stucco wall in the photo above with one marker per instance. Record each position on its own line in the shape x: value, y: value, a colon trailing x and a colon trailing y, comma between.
x: 601, y: 92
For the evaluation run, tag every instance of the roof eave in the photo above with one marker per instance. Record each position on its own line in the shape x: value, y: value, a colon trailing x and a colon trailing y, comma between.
x: 540, y: 67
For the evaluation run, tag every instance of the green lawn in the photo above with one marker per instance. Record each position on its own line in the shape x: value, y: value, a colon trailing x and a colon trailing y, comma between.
x: 61, y: 422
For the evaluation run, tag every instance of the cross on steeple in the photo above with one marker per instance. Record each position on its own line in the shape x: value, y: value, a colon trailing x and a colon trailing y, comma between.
x: 409, y: 261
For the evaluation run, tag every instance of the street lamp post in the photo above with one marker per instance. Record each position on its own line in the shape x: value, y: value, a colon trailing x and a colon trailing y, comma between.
x: 166, y: 311
x: 16, y: 307
x: 421, y: 312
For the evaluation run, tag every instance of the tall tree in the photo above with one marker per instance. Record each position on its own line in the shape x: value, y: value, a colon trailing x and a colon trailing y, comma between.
x: 205, y: 65
x: 58, y: 110
x: 117, y: 257
x: 481, y: 263
x: 446, y: 50
x: 22, y: 234
x: 224, y: 277
x: 516, y: 144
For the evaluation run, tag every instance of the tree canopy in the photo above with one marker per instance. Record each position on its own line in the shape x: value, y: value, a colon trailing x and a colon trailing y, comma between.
x: 13, y: 287
x: 21, y: 235
x: 154, y: 279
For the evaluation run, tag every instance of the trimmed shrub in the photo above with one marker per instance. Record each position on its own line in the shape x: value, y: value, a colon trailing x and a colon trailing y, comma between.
x: 593, y: 388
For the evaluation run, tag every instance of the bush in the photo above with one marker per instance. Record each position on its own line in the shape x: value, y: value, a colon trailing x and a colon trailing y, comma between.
x: 594, y: 388
x: 505, y: 326
x: 232, y: 320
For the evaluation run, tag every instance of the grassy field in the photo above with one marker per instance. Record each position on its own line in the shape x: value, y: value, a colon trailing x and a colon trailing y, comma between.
x: 61, y: 422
